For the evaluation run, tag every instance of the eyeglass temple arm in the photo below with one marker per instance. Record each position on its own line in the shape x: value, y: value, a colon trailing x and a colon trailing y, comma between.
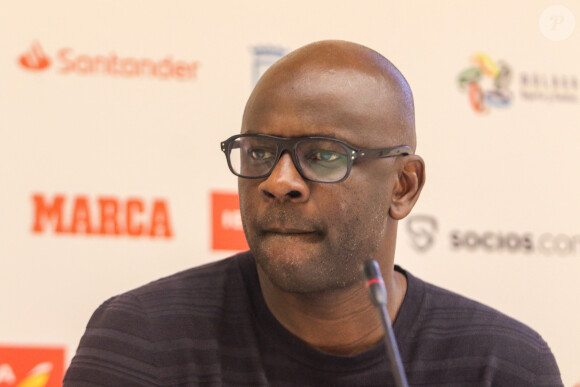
x: 402, y: 150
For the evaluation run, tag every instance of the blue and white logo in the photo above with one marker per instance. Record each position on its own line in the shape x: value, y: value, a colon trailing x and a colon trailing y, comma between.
x: 264, y: 57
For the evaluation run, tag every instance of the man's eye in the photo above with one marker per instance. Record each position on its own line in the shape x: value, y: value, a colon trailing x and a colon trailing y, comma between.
x: 324, y: 156
x: 260, y: 154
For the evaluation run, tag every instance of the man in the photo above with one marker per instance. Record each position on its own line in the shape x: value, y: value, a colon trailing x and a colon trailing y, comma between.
x: 326, y: 169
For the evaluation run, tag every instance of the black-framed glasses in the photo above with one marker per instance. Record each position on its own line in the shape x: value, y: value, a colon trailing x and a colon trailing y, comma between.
x: 317, y: 159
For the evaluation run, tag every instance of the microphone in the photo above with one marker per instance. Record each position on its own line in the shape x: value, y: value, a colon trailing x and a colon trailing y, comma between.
x: 378, y: 296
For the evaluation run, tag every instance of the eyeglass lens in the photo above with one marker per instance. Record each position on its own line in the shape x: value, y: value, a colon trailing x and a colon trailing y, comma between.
x: 319, y: 160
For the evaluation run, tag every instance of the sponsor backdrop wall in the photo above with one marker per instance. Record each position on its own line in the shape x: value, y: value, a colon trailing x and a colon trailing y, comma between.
x: 111, y: 114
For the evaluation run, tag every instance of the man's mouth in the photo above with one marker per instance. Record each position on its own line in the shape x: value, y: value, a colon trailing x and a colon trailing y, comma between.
x: 288, y: 224
x: 289, y: 232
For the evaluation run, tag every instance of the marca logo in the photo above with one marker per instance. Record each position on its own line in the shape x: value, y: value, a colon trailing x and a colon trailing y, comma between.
x: 227, y: 230
x: 34, y: 59
x: 31, y: 367
x: 70, y: 61
x: 105, y: 215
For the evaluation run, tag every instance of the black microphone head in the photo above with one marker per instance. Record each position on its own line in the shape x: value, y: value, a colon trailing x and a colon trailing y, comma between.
x: 371, y: 270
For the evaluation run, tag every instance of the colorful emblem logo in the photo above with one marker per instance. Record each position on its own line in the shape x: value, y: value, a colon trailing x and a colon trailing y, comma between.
x: 486, y: 83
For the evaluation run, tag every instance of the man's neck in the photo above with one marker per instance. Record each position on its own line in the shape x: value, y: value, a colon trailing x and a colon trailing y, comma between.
x: 342, y: 322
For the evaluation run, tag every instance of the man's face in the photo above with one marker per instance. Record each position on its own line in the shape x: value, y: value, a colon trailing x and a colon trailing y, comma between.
x: 306, y: 236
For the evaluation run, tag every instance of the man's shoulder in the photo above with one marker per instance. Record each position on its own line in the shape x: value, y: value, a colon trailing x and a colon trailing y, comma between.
x: 209, y: 281
x: 456, y: 332
x: 456, y: 314
x: 184, y: 320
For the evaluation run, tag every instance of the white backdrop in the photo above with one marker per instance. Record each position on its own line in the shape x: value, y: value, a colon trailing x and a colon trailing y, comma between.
x: 118, y: 107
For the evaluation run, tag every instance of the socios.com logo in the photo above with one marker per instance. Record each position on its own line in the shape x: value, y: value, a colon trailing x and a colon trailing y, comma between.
x: 422, y: 230
x: 425, y: 230
x: 486, y: 83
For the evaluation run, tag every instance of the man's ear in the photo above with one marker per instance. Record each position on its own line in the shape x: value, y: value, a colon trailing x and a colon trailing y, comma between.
x: 407, y: 187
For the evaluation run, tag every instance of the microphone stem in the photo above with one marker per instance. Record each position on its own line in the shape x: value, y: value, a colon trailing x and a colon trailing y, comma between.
x: 392, y: 349
x: 378, y: 296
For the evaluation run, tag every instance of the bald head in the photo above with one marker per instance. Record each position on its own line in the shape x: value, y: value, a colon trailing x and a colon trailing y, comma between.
x: 335, y: 70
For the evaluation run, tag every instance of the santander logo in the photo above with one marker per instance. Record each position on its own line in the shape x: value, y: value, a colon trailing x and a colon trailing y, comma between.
x: 34, y: 59
x: 71, y: 61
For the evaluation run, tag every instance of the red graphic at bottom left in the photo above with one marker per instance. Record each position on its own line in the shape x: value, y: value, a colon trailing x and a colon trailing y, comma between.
x: 31, y: 366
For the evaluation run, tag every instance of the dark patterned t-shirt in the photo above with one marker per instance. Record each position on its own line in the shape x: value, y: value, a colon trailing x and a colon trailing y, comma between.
x: 210, y: 326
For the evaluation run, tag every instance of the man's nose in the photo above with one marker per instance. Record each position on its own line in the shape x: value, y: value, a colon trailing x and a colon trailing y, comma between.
x: 285, y: 182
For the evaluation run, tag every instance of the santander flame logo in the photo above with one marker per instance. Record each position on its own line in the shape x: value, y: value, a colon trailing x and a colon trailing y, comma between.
x: 35, y: 59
